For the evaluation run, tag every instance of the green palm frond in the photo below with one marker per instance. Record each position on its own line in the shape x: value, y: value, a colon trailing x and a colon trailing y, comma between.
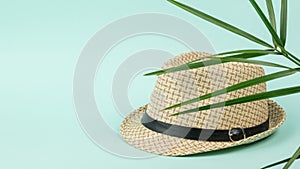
x: 289, y: 160
x: 272, y: 17
x: 255, y: 97
x: 271, y: 13
x: 212, y: 60
x: 283, y: 21
x: 294, y: 157
x: 267, y: 23
x: 293, y: 57
x: 238, y: 86
x: 256, y: 62
x: 221, y: 23
x: 243, y: 51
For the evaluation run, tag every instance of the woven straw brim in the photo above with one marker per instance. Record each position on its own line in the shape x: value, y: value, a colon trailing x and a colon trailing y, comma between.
x: 142, y: 138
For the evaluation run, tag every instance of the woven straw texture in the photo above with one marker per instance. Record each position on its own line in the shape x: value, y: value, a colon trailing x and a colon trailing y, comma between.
x: 134, y: 133
x: 180, y: 86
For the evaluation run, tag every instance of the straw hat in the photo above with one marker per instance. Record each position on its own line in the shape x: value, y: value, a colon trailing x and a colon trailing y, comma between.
x: 152, y: 129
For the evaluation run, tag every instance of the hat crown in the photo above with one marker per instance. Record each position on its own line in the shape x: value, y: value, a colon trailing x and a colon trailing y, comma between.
x: 177, y: 87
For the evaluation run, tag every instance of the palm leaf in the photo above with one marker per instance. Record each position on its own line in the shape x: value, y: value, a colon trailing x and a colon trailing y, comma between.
x: 289, y: 56
x: 283, y: 21
x: 255, y: 97
x: 271, y: 16
x: 266, y: 51
x: 294, y: 57
x: 266, y: 22
x: 217, y: 61
x: 193, y: 65
x: 271, y: 13
x: 221, y: 23
x: 279, y: 162
x: 238, y: 86
x: 290, y: 162
x: 242, y: 60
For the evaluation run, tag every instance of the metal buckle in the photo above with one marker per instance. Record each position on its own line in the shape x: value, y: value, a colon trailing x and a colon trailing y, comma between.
x: 236, y: 132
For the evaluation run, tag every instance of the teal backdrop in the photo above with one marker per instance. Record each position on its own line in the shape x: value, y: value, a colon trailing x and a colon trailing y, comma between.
x: 40, y: 42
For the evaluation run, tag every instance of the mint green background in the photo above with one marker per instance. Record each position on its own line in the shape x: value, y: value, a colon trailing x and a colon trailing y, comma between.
x: 40, y: 42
